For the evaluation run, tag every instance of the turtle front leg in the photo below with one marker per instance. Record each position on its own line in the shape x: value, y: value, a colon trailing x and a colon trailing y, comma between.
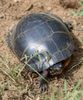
x: 44, y: 81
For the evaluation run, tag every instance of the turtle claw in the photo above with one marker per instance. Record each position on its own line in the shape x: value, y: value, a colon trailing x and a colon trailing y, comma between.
x: 43, y: 86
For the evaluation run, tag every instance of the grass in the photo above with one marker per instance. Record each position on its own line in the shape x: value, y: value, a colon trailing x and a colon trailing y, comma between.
x: 80, y: 11
x: 64, y: 94
x: 81, y: 3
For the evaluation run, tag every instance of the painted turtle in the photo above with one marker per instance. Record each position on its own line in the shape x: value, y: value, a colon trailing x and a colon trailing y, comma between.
x: 46, y: 42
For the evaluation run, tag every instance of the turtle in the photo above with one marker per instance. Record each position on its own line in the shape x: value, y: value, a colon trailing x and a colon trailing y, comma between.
x: 43, y: 42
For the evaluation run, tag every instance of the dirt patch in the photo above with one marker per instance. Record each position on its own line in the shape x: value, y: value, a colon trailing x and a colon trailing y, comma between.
x: 11, y: 11
x: 69, y: 4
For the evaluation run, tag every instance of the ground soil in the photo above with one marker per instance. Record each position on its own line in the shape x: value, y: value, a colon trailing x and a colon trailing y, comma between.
x: 11, y: 11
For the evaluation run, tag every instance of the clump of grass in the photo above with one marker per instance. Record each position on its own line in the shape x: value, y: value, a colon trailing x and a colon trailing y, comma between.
x: 65, y: 94
x: 78, y: 12
x: 81, y: 3
x: 1, y: 90
x: 74, y: 94
x: 14, y: 80
x: 15, y: 71
x: 6, y: 69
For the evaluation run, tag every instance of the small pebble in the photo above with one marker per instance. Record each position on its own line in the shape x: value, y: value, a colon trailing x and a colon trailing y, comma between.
x: 49, y: 8
x: 16, y: 1
x: 1, y: 16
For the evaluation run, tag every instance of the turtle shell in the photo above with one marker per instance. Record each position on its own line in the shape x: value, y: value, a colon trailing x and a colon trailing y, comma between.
x: 44, y: 39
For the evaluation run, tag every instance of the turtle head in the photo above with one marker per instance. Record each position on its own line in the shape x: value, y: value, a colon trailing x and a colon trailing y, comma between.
x: 57, y: 68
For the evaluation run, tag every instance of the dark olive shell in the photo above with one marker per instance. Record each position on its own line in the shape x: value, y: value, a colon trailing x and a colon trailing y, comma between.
x: 44, y: 39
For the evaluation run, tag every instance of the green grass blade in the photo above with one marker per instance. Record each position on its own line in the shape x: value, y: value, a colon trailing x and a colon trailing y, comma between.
x: 65, y: 87
x: 53, y: 97
x: 76, y: 86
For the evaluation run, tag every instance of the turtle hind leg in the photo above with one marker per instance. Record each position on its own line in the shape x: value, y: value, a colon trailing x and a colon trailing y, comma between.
x: 69, y: 26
